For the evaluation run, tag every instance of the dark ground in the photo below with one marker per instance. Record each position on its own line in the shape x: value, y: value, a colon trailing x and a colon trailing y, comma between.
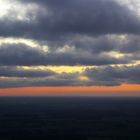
x: 69, y: 118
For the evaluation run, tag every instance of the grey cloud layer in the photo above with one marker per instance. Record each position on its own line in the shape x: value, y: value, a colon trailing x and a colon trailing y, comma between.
x: 90, y: 17
x: 114, y: 75
x: 63, y: 79
x: 79, y: 51
x: 77, y: 32
x: 16, y: 72
x: 107, y: 76
x: 21, y: 54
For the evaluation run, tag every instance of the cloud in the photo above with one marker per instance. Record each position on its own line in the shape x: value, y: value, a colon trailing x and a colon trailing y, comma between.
x: 63, y: 79
x: 110, y: 76
x: 82, y: 50
x: 17, y: 72
x: 100, y: 76
x: 66, y: 18
x: 101, y: 33
x: 131, y: 44
x: 21, y: 54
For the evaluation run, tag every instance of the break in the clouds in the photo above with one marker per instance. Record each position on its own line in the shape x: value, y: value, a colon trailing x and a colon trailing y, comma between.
x: 101, y: 76
x: 102, y: 34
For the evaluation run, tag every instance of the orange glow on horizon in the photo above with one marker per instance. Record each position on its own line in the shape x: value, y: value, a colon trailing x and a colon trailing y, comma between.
x: 94, y: 90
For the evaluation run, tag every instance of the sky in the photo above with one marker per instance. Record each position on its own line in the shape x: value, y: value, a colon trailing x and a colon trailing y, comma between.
x: 70, y: 47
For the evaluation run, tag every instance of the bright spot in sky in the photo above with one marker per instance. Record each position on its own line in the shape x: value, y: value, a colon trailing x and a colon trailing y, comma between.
x: 5, y: 6
x: 133, y: 5
x: 17, y: 11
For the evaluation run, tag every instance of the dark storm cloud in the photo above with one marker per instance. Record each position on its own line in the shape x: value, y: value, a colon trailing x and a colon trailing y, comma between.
x: 114, y: 75
x: 131, y: 45
x: 63, y: 79
x: 16, y: 72
x: 125, y: 44
x: 20, y: 54
x: 26, y: 83
x: 65, y: 17
x: 95, y: 45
